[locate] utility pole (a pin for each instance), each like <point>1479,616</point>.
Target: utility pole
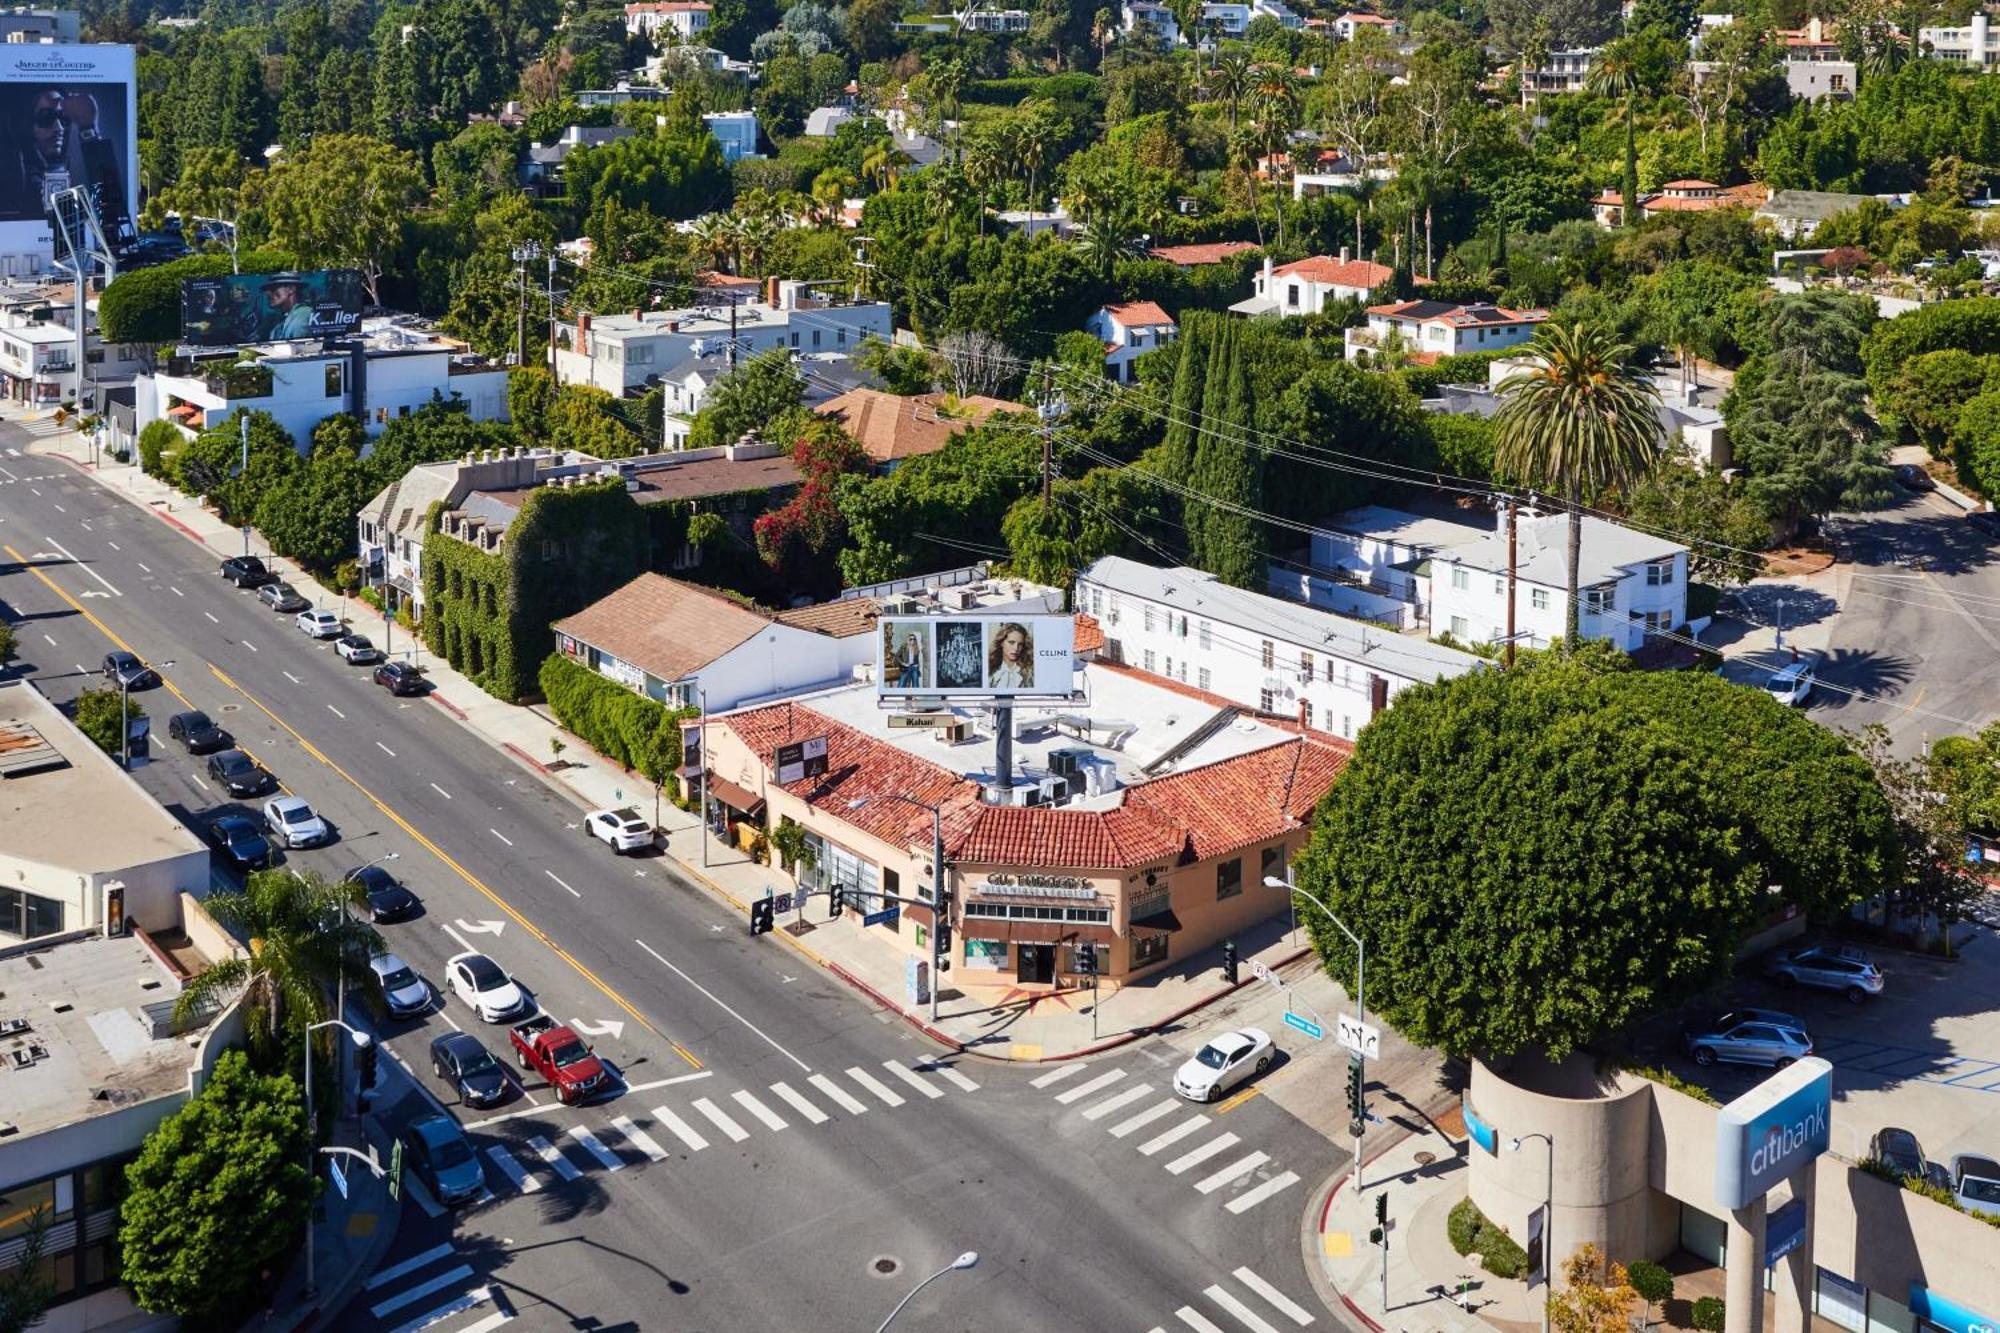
<point>732,333</point>
<point>1048,445</point>
<point>1513,509</point>
<point>243,421</point>
<point>522,254</point>
<point>552,314</point>
<point>701,701</point>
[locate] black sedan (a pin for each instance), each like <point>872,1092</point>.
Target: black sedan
<point>240,842</point>
<point>246,571</point>
<point>1914,478</point>
<point>399,678</point>
<point>239,774</point>
<point>1986,520</point>
<point>123,668</point>
<point>388,900</point>
<point>195,731</point>
<point>462,1060</point>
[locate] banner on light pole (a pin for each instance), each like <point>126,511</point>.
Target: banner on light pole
<point>1538,1268</point>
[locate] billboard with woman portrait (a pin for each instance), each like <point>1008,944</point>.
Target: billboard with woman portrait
<point>976,656</point>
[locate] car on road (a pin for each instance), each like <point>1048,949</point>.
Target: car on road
<point>554,1051</point>
<point>1986,520</point>
<point>1899,1150</point>
<point>356,650</point>
<point>1827,968</point>
<point>388,899</point>
<point>238,840</point>
<point>1975,1183</point>
<point>462,1060</point>
<point>238,774</point>
<point>1747,1042</point>
<point>294,823</point>
<point>444,1159</point>
<point>399,678</point>
<point>246,571</point>
<point>622,830</point>
<point>1791,684</point>
<point>198,733</point>
<point>319,624</point>
<point>485,986</point>
<point>1223,1063</point>
<point>1911,476</point>
<point>123,668</point>
<point>282,598</point>
<point>404,993</point>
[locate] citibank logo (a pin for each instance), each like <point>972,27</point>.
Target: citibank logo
<point>1778,1142</point>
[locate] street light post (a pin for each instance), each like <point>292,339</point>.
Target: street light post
<point>964,1261</point>
<point>1548,1219</point>
<point>125,718</point>
<point>359,1038</point>
<point>940,909</point>
<point>1360,997</point>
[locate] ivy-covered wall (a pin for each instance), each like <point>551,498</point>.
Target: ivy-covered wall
<point>720,525</point>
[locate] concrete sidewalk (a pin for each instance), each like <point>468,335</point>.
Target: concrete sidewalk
<point>995,1019</point>
<point>350,1235</point>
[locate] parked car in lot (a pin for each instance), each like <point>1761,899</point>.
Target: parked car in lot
<point>399,678</point>
<point>1914,478</point>
<point>462,1060</point>
<point>123,668</point>
<point>1986,520</point>
<point>246,571</point>
<point>485,986</point>
<point>1791,684</point>
<point>1899,1150</point>
<point>356,650</point>
<point>239,842</point>
<point>444,1160</point>
<point>1975,1183</point>
<point>404,993</point>
<point>1827,968</point>
<point>282,598</point>
<point>294,823</point>
<point>555,1052</point>
<point>388,899</point>
<point>195,731</point>
<point>1223,1063</point>
<point>319,624</point>
<point>622,830</point>
<point>238,774</point>
<point>1746,1041</point>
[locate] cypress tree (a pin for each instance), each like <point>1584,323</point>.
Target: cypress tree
<point>1229,470</point>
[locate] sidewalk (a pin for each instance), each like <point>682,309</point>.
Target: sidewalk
<point>350,1238</point>
<point>994,1019</point>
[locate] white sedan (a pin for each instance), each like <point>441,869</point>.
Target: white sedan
<point>622,830</point>
<point>292,822</point>
<point>1223,1063</point>
<point>485,986</point>
<point>319,624</point>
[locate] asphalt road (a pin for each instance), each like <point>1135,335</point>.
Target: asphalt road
<point>778,1154</point>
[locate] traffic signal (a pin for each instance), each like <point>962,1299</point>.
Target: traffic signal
<point>1086,959</point>
<point>763,912</point>
<point>369,1055</point>
<point>1229,961</point>
<point>944,939</point>
<point>1356,1101</point>
<point>1380,1235</point>
<point>396,1170</point>
<point>836,901</point>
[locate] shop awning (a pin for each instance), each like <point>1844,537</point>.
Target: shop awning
<point>1035,932</point>
<point>740,799</point>
<point>1164,921</point>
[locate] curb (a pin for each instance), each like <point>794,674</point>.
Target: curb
<point>456,712</point>
<point>513,749</point>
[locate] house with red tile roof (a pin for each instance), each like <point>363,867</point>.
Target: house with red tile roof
<point>1129,331</point>
<point>1198,256</point>
<point>1684,196</point>
<point>1309,286</point>
<point>1431,329</point>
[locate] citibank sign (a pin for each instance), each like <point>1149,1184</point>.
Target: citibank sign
<point>1772,1131</point>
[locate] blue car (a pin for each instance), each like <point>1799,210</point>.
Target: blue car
<point>443,1156</point>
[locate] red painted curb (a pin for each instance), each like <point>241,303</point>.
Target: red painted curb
<point>453,709</point>
<point>883,1000</point>
<point>1358,1313</point>
<point>517,752</point>
<point>1151,1028</point>
<point>185,530</point>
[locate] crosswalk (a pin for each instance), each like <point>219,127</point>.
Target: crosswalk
<point>1231,1169</point>
<point>1225,1307</point>
<point>432,1290</point>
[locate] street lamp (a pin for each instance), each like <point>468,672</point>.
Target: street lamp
<point>125,718</point>
<point>964,1261</point>
<point>1548,1219</point>
<point>360,1039</point>
<point>940,909</point>
<point>1360,997</point>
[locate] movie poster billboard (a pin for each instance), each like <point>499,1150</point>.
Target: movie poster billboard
<point>68,117</point>
<point>961,656</point>
<point>270,307</point>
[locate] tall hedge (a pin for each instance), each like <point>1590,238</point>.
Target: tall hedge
<point>629,729</point>
<point>1969,326</point>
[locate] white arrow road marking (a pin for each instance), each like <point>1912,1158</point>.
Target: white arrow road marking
<point>559,879</point>
<point>610,1027</point>
<point>481,927</point>
<point>92,592</point>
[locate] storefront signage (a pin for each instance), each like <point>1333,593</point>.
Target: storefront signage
<point>902,720</point>
<point>1071,887</point>
<point>1927,1305</point>
<point>1784,1231</point>
<point>1773,1130</point>
<point>1481,1133</point>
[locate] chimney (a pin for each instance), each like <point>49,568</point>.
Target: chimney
<point>583,333</point>
<point>1265,281</point>
<point>638,315</point>
<point>673,326</point>
<point>771,292</point>
<point>1345,253</point>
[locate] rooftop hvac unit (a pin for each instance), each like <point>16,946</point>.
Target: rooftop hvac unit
<point>962,599</point>
<point>1068,763</point>
<point>1054,791</point>
<point>900,606</point>
<point>955,732</point>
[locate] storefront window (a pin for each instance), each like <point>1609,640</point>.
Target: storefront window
<point>1841,1302</point>
<point>987,955</point>
<point>1147,948</point>
<point>29,915</point>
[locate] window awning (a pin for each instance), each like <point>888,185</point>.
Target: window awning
<point>1164,921</point>
<point>740,799</point>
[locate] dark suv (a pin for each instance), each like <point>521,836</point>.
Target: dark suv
<point>399,678</point>
<point>246,571</point>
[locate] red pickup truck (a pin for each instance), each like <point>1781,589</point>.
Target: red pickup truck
<point>552,1050</point>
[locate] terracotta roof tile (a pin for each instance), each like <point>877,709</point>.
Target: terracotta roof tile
<point>1192,256</point>
<point>840,620</point>
<point>1089,634</point>
<point>1139,314</point>
<point>1330,272</point>
<point>889,428</point>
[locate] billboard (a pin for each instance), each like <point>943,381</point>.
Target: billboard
<point>1772,1130</point>
<point>270,307</point>
<point>68,117</point>
<point>990,656</point>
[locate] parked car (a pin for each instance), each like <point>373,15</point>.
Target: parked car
<point>282,598</point>
<point>1827,969</point>
<point>1899,1150</point>
<point>239,842</point>
<point>555,1052</point>
<point>1986,520</point>
<point>1975,1183</point>
<point>1914,477</point>
<point>239,774</point>
<point>246,571</point>
<point>485,986</point>
<point>443,1158</point>
<point>622,830</point>
<point>319,624</point>
<point>399,678</point>
<point>294,823</point>
<point>1746,1042</point>
<point>388,899</point>
<point>462,1060</point>
<point>195,731</point>
<point>1223,1063</point>
<point>356,650</point>
<point>1791,684</point>
<point>123,668</point>
<point>404,993</point>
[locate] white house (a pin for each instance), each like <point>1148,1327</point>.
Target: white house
<point>1128,332</point>
<point>38,363</point>
<point>823,122</point>
<point>1976,44</point>
<point>1373,562</point>
<point>1687,420</point>
<point>736,131</point>
<point>999,22</point>
<point>1147,16</point>
<point>1309,286</point>
<point>1431,329</point>
<point>1562,72</point>
<point>1326,671</point>
<point>685,19</point>
<point>1353,22</point>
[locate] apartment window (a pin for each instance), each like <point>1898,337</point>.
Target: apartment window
<point>403,411</point>
<point>1183,675</point>
<point>1097,601</point>
<point>1660,573</point>
<point>1306,712</point>
<point>1170,667</point>
<point>840,337</point>
<point>1183,626</point>
<point>1147,619</point>
<point>1538,598</point>
<point>1270,655</point>
<point>1837,82</point>
<point>381,415</point>
<point>1146,659</point>
<point>1459,629</point>
<point>1229,878</point>
<point>1201,678</point>
<point>1114,608</point>
<point>795,337</point>
<point>1306,667</point>
<point>1267,701</point>
<point>1273,863</point>
<point>1292,295</point>
<point>1596,601</point>
<point>1201,635</point>
<point>815,337</point>
<point>333,380</point>
<point>640,355</point>
<point>1461,578</point>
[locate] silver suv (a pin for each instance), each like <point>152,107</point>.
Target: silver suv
<point>1828,967</point>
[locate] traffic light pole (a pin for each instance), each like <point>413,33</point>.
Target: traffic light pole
<point>1360,1123</point>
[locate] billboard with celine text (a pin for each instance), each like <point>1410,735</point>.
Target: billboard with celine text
<point>996,657</point>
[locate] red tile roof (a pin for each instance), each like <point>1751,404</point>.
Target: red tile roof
<point>1192,256</point>
<point>1251,798</point>
<point>1138,314</point>
<point>1089,634</point>
<point>1331,272</point>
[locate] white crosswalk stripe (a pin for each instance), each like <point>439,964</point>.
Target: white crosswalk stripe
<point>772,1120</point>
<point>1082,1090</point>
<point>1236,1170</point>
<point>1144,1118</point>
<point>489,1323</point>
<point>1290,1308</point>
<point>721,1120</point>
<point>799,1103</point>
<point>409,1266</point>
<point>553,1156</point>
<point>1115,1102</point>
<point>950,1074</point>
<point>875,1085</point>
<point>838,1095</point>
<point>389,1305</point>
<point>431,1207</point>
<point>512,1169</point>
<point>1192,1317</point>
<point>1249,1199</point>
<point>1055,1076</point>
<point>680,1128</point>
<point>1245,1316</point>
<point>472,1300</point>
<point>911,1077</point>
<point>595,1147</point>
<point>1174,1135</point>
<point>639,1138</point>
<point>1219,1144</point>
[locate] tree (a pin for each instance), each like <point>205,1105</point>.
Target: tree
<point>903,370</point>
<point>142,306</point>
<point>1808,441</point>
<point>1653,1283</point>
<point>1230,81</point>
<point>914,518</point>
<point>1930,881</point>
<point>1713,515</point>
<point>1616,74</point>
<point>1931,390</point>
<point>1597,1296</point>
<point>25,1289</point>
<point>97,716</point>
<point>800,539</point>
<point>1568,23</point>
<point>312,519</point>
<point>748,400</point>
<point>305,942</point>
<point>218,1196</point>
<point>670,175</point>
<point>1688,306</point>
<point>214,183</point>
<point>212,465</point>
<point>1578,419</point>
<point>1965,770</point>
<point>342,203</point>
<point>1976,443</point>
<point>975,362</point>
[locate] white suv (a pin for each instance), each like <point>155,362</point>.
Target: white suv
<point>622,829</point>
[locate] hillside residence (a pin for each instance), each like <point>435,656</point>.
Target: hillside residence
<point>1686,419</point>
<point>1148,16</point>
<point>1332,173</point>
<point>736,131</point>
<point>1795,214</point>
<point>1814,64</point>
<point>1354,21</point>
<point>1562,72</point>
<point>1976,44</point>
<point>998,22</point>
<point>1128,332</point>
<point>1309,286</point>
<point>541,165</point>
<point>1686,196</point>
<point>396,366</point>
<point>1199,256</point>
<point>891,429</point>
<point>1432,329</point>
<point>684,20</point>
<point>823,375</point>
<point>1327,672</point>
<point>823,122</point>
<point>625,91</point>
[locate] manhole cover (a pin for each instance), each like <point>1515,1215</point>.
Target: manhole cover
<point>1426,1158</point>
<point>886,1266</point>
<point>231,708</point>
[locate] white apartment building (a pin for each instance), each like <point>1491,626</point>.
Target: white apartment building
<point>38,363</point>
<point>1563,71</point>
<point>1309,286</point>
<point>1326,671</point>
<point>998,22</point>
<point>1352,22</point>
<point>1975,44</point>
<point>1430,329</point>
<point>1149,16</point>
<point>1128,332</point>
<point>684,19</point>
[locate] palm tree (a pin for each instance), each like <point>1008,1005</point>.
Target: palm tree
<point>1275,99</point>
<point>730,235</point>
<point>1533,55</point>
<point>880,162</point>
<point>301,942</point>
<point>985,167</point>
<point>1103,27</point>
<point>1113,234</point>
<point>1580,418</point>
<point>1616,74</point>
<point>754,235</point>
<point>1037,136</point>
<point>1229,80</point>
<point>830,191</point>
<point>710,234</point>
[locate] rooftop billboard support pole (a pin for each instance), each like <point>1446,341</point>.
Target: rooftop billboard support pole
<point>1003,747</point>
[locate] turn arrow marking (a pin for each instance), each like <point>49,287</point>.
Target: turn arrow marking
<point>481,927</point>
<point>610,1027</point>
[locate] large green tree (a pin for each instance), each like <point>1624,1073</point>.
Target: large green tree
<point>754,397</point>
<point>311,518</point>
<point>342,203</point>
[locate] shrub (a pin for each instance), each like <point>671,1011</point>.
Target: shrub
<point>1669,1079</point>
<point>1469,1231</point>
<point>1708,1314</point>
<point>1653,1282</point>
<point>97,718</point>
<point>156,442</point>
<point>629,729</point>
<point>9,641</point>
